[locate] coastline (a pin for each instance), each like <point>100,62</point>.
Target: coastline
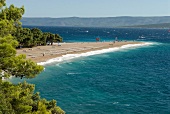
<point>53,53</point>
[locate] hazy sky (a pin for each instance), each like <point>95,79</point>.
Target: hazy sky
<point>93,8</point>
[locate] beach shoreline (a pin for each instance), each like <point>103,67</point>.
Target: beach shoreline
<point>41,54</point>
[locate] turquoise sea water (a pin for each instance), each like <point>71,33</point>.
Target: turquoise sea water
<point>133,80</point>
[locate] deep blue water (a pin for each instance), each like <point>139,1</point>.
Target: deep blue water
<point>135,80</point>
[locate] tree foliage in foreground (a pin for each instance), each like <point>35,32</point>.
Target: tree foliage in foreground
<point>12,65</point>
<point>21,99</point>
<point>18,98</point>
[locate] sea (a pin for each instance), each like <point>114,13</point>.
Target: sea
<point>129,80</point>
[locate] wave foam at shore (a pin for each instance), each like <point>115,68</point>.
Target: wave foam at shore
<point>72,56</point>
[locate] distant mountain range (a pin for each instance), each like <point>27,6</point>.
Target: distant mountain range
<point>124,21</point>
<point>162,25</point>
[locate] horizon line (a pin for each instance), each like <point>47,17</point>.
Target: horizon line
<point>94,17</point>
